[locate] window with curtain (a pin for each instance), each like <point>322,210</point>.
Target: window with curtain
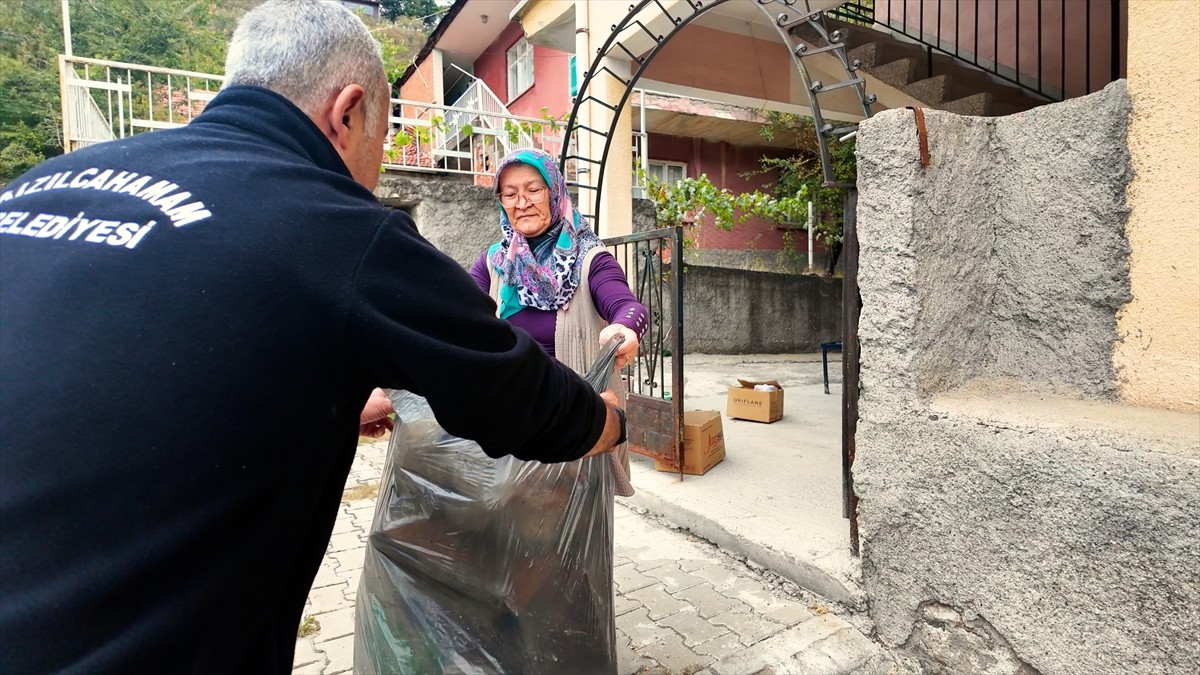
<point>668,173</point>
<point>520,68</point>
<point>662,172</point>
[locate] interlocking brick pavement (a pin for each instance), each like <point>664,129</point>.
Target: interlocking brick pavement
<point>683,606</point>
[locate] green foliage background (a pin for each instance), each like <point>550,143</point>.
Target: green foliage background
<point>798,180</point>
<point>183,34</point>
<point>400,40</point>
<point>168,33</point>
<point>426,11</point>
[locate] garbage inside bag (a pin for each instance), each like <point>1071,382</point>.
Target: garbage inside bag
<point>478,565</point>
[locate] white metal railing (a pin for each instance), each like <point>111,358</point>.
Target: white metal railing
<point>642,100</point>
<point>83,121</point>
<point>463,140</point>
<point>103,100</point>
<point>479,96</point>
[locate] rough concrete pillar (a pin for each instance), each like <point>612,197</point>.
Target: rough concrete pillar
<point>1013,514</point>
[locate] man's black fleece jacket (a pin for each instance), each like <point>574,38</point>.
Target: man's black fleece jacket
<point>190,323</point>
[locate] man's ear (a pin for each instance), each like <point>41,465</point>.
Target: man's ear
<point>345,116</point>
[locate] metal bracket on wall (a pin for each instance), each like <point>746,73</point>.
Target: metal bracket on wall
<point>922,135</point>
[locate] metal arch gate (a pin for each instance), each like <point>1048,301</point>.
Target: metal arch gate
<point>650,409</point>
<point>791,16</point>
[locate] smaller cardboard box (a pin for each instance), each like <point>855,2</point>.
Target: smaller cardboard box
<point>747,403</point>
<point>703,443</point>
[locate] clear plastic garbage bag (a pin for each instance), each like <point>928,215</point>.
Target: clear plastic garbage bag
<point>479,565</point>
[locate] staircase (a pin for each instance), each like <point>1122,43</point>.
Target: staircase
<point>939,81</point>
<point>477,112</point>
<point>84,123</point>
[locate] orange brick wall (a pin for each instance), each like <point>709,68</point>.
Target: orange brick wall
<point>420,86</point>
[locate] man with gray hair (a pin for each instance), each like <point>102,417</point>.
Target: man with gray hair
<point>191,321</point>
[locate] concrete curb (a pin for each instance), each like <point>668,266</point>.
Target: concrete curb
<point>802,573</point>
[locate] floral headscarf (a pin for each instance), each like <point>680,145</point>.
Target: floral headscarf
<point>544,277</point>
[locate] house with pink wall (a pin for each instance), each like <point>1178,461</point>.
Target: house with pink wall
<point>698,106</point>
<point>478,47</point>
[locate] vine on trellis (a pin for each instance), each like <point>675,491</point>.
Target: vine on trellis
<point>690,201</point>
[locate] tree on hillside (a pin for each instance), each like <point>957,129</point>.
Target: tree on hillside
<point>189,35</point>
<point>400,42</point>
<point>30,129</point>
<point>165,33</point>
<point>426,10</point>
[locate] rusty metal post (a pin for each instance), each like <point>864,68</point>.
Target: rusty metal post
<point>851,306</point>
<point>677,344</point>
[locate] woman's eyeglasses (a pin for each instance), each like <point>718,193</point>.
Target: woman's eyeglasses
<point>534,195</point>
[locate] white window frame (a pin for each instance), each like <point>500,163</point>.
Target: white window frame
<point>663,165</point>
<point>639,191</point>
<point>519,59</point>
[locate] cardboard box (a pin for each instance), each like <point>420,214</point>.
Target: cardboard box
<point>703,443</point>
<point>745,403</point>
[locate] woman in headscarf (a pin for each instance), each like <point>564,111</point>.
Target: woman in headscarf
<point>499,566</point>
<point>550,275</point>
<point>548,252</point>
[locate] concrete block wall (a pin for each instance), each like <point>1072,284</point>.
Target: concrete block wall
<point>733,311</point>
<point>460,219</point>
<point>1014,516</point>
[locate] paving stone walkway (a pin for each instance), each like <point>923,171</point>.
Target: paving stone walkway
<point>682,606</point>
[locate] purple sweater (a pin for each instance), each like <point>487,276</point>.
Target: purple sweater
<point>610,293</point>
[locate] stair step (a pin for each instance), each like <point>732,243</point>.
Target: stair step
<point>939,89</point>
<point>933,91</point>
<point>970,79</point>
<point>975,105</point>
<point>884,49</point>
<point>899,73</point>
<point>871,54</point>
<point>903,65</point>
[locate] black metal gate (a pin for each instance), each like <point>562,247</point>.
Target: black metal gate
<point>653,262</point>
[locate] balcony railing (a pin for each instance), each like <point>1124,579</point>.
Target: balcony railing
<point>468,138</point>
<point>479,96</point>
<point>105,100</point>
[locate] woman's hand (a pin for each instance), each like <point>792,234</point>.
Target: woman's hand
<point>628,350</point>
<point>374,420</point>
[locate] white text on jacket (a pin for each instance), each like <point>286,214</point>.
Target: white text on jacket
<point>94,230</point>
<point>165,195</point>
